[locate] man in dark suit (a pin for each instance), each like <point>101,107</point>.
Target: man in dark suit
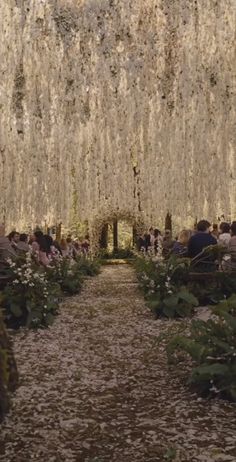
<point>198,242</point>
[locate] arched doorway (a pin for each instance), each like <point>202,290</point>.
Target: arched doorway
<point>117,235</point>
<point>117,231</point>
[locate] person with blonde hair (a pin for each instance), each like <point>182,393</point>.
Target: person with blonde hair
<point>181,245</point>
<point>64,247</point>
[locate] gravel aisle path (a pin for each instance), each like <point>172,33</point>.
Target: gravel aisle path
<point>95,388</point>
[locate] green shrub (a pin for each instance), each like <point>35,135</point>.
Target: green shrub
<point>30,299</point>
<point>8,370</point>
<point>227,283</point>
<point>87,266</point>
<point>63,271</point>
<point>69,274</point>
<point>179,303</point>
<point>164,288</point>
<point>212,347</point>
<point>171,292</point>
<point>119,254</point>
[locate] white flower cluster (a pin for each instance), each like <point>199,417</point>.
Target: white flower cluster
<point>213,388</point>
<point>144,277</point>
<point>168,285</point>
<point>26,275</point>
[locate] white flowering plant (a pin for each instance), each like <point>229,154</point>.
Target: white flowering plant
<point>70,273</point>
<point>87,266</point>
<point>29,299</point>
<point>63,271</point>
<point>212,347</point>
<point>164,285</point>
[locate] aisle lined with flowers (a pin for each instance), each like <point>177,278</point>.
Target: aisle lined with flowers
<point>95,386</point>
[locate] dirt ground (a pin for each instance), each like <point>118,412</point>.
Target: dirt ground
<point>96,387</point>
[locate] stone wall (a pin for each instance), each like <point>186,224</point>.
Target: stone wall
<point>117,107</point>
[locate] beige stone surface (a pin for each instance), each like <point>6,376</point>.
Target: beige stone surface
<point>117,107</point>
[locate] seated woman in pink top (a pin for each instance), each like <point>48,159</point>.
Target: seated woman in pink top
<point>39,248</point>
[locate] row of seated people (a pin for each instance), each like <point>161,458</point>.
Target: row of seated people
<point>191,243</point>
<point>41,245</point>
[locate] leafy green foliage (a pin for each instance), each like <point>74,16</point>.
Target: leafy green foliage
<point>212,347</point>
<point>163,285</point>
<point>178,304</point>
<point>64,272</point>
<point>226,306</point>
<point>71,273</point>
<point>170,454</point>
<point>32,298</point>
<point>227,283</point>
<point>87,266</point>
<point>173,289</point>
<point>120,254</point>
<point>8,370</point>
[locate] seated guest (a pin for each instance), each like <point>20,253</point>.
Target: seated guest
<point>70,247</point>
<point>215,231</point>
<point>64,247</point>
<point>157,240</point>
<point>6,249</point>
<point>23,246</point>
<point>232,246</point>
<point>146,242</point>
<point>49,244</point>
<point>141,243</point>
<point>77,248</point>
<point>85,244</point>
<point>57,248</point>
<point>14,238</point>
<point>181,245</point>
<point>202,239</point>
<point>40,247</point>
<point>168,243</point>
<point>150,238</point>
<point>225,235</point>
<point>52,250</point>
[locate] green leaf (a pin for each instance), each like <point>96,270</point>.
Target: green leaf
<point>210,371</point>
<point>194,349</point>
<point>16,310</point>
<point>32,317</point>
<point>153,297</point>
<point>170,454</point>
<point>172,301</point>
<point>49,319</point>
<point>188,297</point>
<point>231,321</point>
<point>184,310</point>
<point>232,301</point>
<point>226,347</point>
<point>169,311</point>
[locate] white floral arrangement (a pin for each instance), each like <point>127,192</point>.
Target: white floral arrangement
<point>30,291</point>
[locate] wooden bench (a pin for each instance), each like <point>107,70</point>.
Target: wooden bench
<point>211,276</point>
<point>202,277</point>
